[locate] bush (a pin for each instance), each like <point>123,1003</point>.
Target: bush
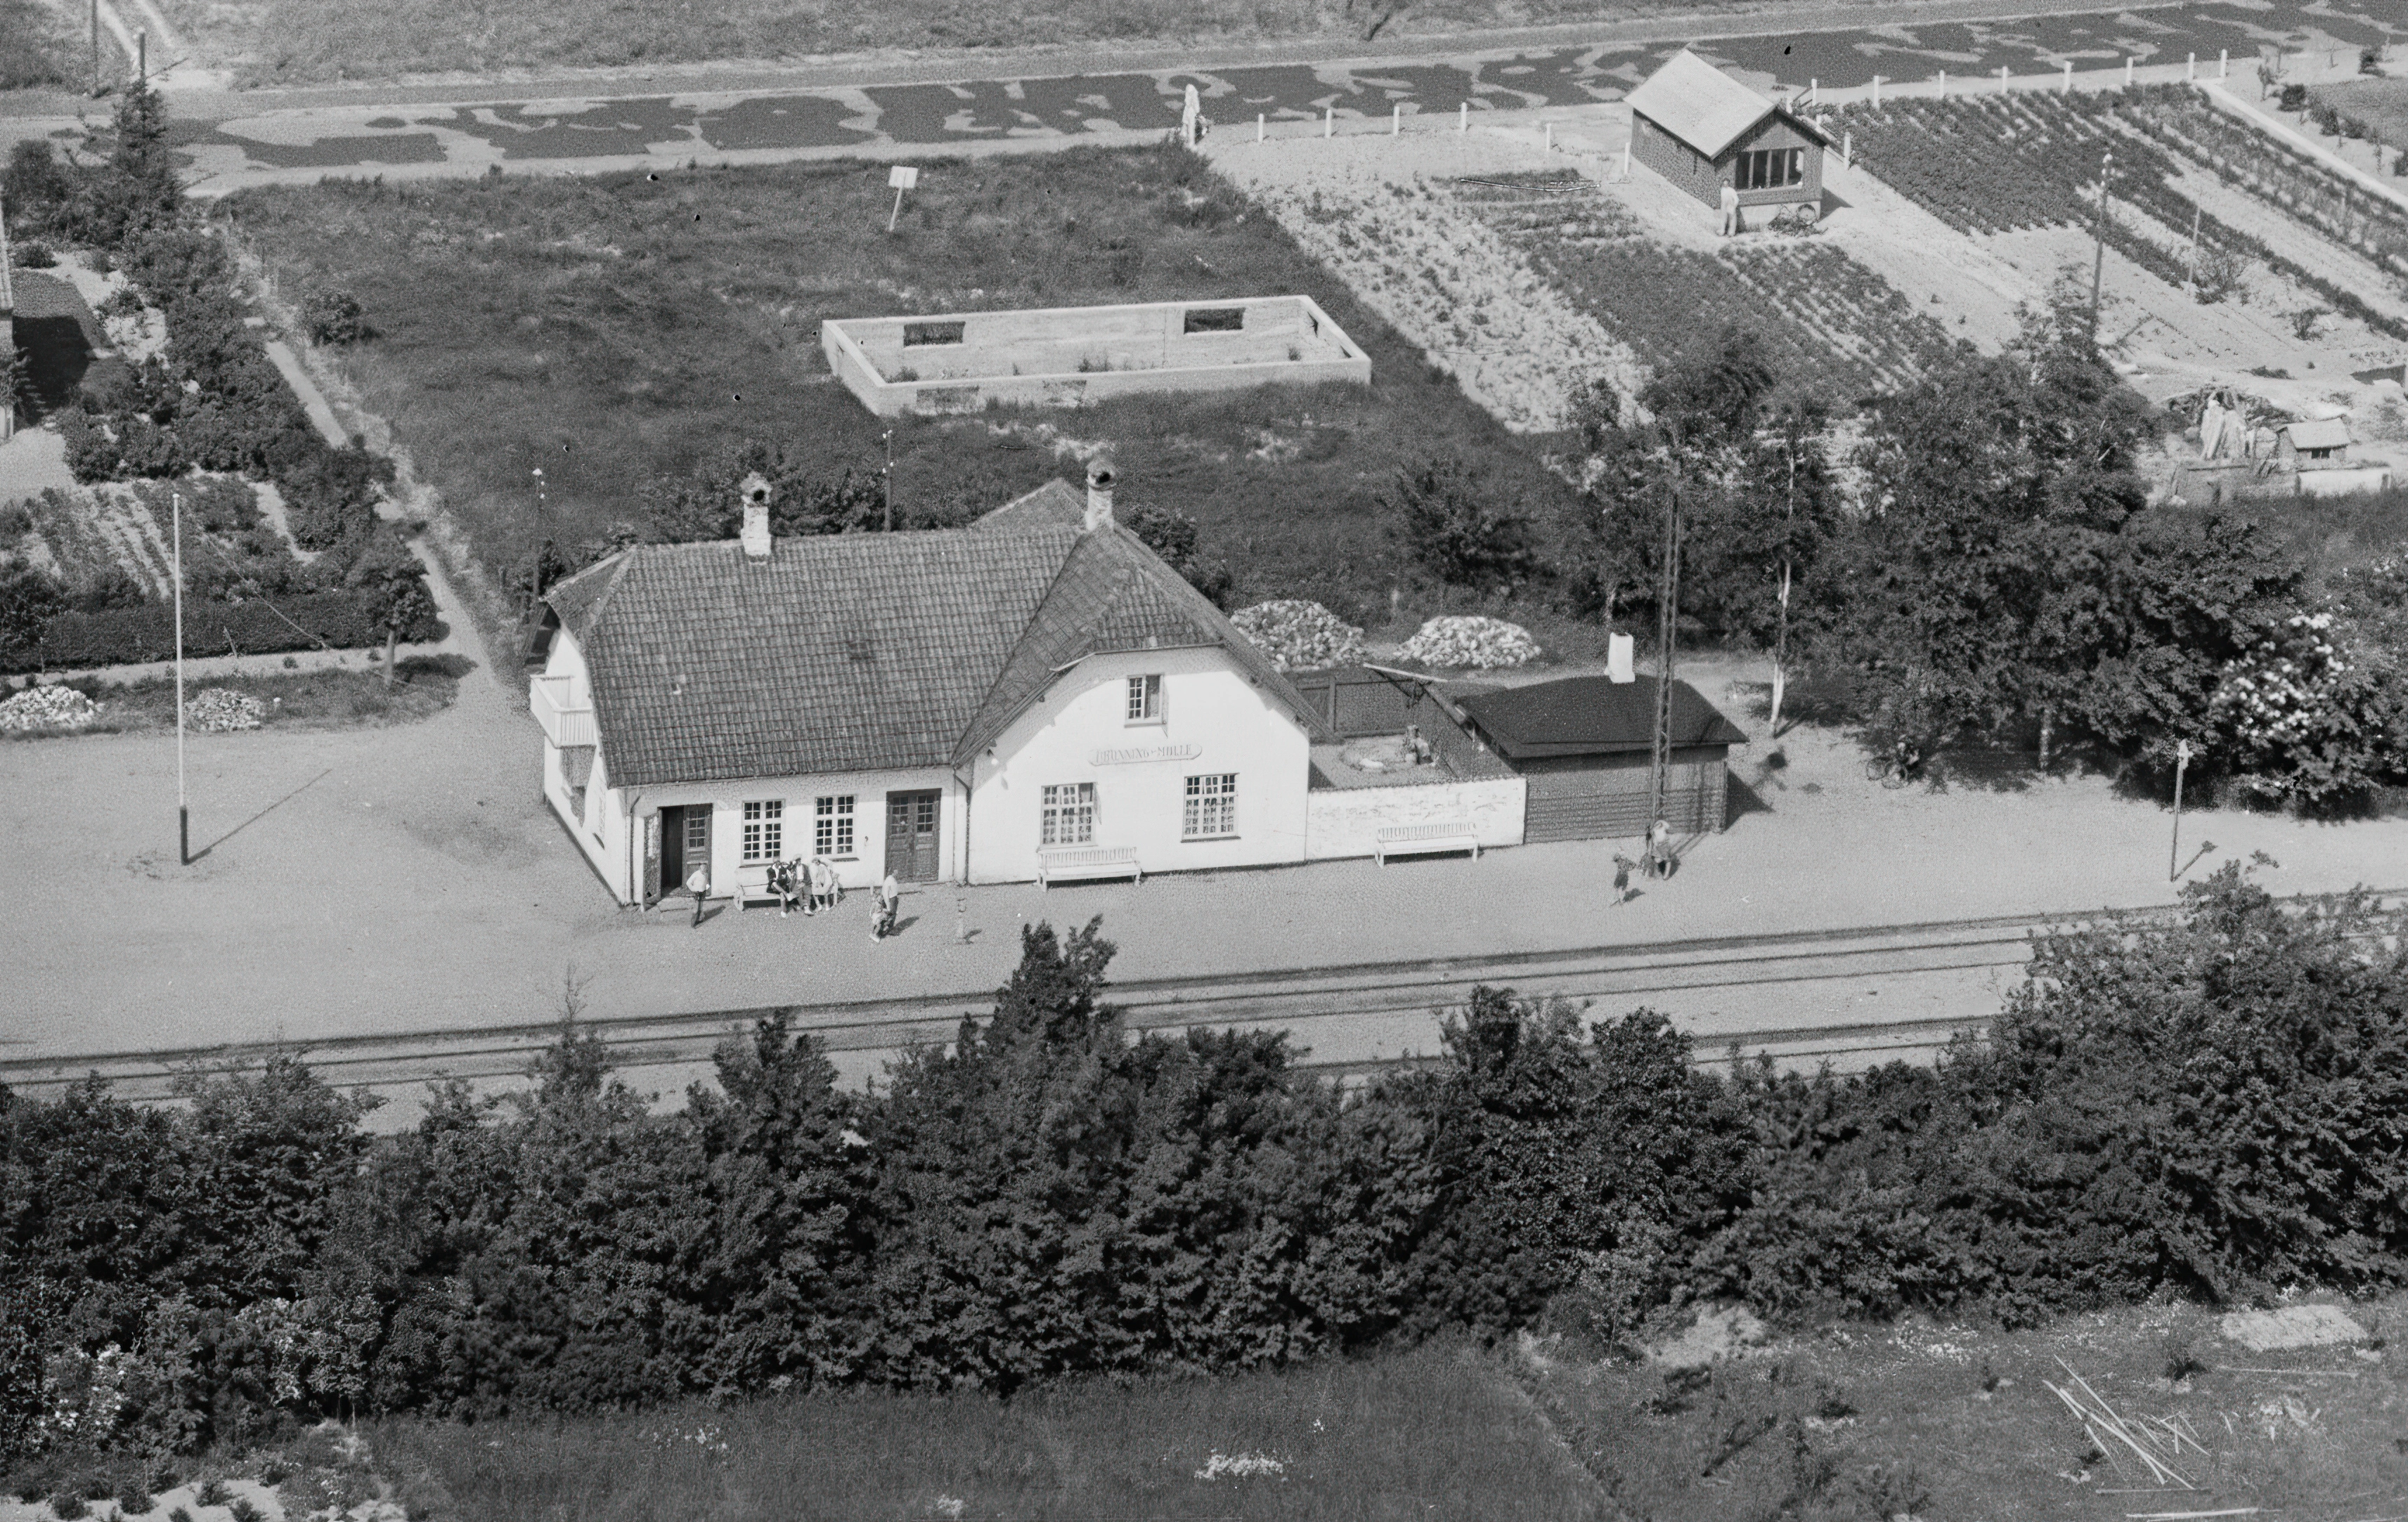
<point>344,621</point>
<point>2293,99</point>
<point>333,317</point>
<point>34,255</point>
<point>1441,516</point>
<point>91,451</point>
<point>67,1505</point>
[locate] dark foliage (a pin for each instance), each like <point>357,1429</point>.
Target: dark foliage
<point>2207,1107</point>
<point>1465,530</point>
<point>344,620</point>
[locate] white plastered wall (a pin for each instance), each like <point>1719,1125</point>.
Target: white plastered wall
<point>1080,731</point>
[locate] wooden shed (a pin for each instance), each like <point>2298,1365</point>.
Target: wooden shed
<point>1585,745</point>
<point>2317,443</point>
<point>1702,130</point>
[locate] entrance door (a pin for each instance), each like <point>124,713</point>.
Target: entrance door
<point>911,837</point>
<point>686,845</point>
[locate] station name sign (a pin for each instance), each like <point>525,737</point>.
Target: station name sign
<point>1147,753</point>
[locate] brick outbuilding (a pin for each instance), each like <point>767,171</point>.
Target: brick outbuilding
<point>1702,130</point>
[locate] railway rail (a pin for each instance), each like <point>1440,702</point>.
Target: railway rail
<point>1350,1019</point>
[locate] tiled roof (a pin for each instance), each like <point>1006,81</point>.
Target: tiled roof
<point>865,652</point>
<point>1057,504</point>
<point>1700,105</point>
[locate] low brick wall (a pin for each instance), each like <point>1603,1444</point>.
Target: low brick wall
<point>1347,821</point>
<point>1072,355</point>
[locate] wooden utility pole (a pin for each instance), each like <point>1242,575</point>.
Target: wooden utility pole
<point>889,438</point>
<point>1668,601</point>
<point>183,809</point>
<point>95,47</point>
<point>2099,254</point>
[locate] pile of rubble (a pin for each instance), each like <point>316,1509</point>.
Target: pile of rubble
<point>47,708</point>
<point>215,710</point>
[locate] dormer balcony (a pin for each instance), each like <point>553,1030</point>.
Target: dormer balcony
<point>565,721</point>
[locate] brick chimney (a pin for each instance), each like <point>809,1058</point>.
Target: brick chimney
<point>1617,659</point>
<point>754,535</point>
<point>1100,476</point>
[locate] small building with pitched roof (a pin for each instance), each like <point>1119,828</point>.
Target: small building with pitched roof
<point>2312,444</point>
<point>1584,747</point>
<point>959,705</point>
<point>1703,130</point>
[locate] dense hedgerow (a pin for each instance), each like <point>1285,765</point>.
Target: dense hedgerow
<point>2207,1107</point>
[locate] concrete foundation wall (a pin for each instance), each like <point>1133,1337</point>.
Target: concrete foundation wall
<point>1067,356</point>
<point>1347,821</point>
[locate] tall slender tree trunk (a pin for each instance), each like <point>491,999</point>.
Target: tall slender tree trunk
<point>391,643</point>
<point>2048,735</point>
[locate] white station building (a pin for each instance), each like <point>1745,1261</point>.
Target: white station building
<point>1035,697</point>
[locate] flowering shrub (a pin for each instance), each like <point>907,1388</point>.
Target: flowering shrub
<point>2297,723</point>
<point>1468,640</point>
<point>1298,635</point>
<point>215,710</point>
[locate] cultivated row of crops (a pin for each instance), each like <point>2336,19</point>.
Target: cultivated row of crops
<point>1819,312</point>
<point>1996,163</point>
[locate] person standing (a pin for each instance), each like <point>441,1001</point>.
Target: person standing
<point>890,900</point>
<point>1730,209</point>
<point>1659,850</point>
<point>697,883</point>
<point>1621,878</point>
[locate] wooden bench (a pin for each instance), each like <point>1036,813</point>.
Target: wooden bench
<point>752,886</point>
<point>1430,839</point>
<point>1087,861</point>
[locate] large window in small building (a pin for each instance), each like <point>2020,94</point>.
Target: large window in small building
<point>765,830</point>
<point>1144,699</point>
<point>1213,319</point>
<point>1211,806</point>
<point>1772,168</point>
<point>917,335</point>
<point>1069,818</point>
<point>832,826</point>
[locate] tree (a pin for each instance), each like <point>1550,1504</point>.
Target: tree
<point>1444,516</point>
<point>394,583</point>
<point>1788,487</point>
<point>1172,534</point>
<point>1708,401</point>
<point>802,499</point>
<point>29,599</point>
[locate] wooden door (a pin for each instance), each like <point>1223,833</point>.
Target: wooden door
<point>911,837</point>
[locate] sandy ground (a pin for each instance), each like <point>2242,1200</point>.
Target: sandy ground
<point>1976,293</point>
<point>1370,207</point>
<point>407,878</point>
<point>33,462</point>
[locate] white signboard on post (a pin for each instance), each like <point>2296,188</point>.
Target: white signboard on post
<point>903,176</point>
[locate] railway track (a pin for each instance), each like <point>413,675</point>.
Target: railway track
<point>1770,993</point>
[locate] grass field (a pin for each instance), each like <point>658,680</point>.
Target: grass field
<point>1440,1432</point>
<point>616,329</point>
<point>1858,1422</point>
<point>297,700</point>
<point>292,41</point>
<point>33,51</point>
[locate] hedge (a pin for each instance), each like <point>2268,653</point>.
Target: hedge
<point>123,636</point>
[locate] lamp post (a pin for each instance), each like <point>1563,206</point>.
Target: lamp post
<point>2173,852</point>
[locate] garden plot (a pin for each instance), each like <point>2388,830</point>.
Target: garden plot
<point>1633,261</point>
<point>1371,209</point>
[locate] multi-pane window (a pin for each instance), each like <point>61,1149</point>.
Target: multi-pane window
<point>765,830</point>
<point>832,826</point>
<point>1211,806</point>
<point>1772,168</point>
<point>697,833</point>
<point>1144,698</point>
<point>1069,818</point>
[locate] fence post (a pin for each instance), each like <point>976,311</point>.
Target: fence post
<point>1551,137</point>
<point>2003,78</point>
<point>2190,69</point>
<point>2127,71</point>
<point>2069,77</point>
<point>1328,120</point>
<point>1463,116</point>
<point>1944,84</point>
<point>1395,118</point>
<point>1876,91</point>
<point>1259,126</point>
<point>2224,63</point>
<point>1848,149</point>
